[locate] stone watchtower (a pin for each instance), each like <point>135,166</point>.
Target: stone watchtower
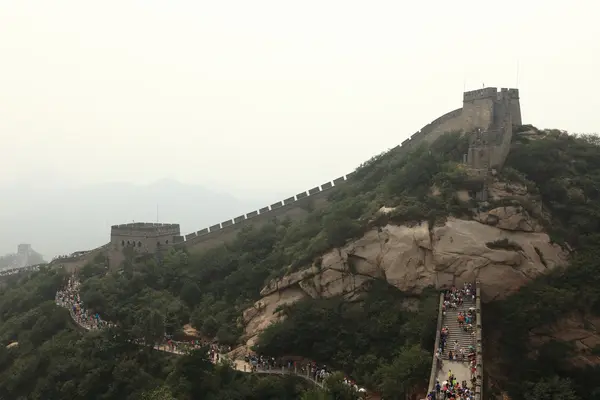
<point>491,114</point>
<point>139,237</point>
<point>23,253</point>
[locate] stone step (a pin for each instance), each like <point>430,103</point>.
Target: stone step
<point>455,332</point>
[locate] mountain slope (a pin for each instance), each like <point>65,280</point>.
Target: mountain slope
<point>403,223</point>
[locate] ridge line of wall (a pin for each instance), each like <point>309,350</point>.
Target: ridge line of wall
<point>411,142</point>
<point>279,208</point>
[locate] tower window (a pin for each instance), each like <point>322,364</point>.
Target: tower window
<point>139,244</point>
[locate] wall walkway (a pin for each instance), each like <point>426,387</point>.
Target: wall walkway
<point>441,365</point>
<point>238,365</point>
<point>14,271</point>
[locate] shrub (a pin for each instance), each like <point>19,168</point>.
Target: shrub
<point>504,244</point>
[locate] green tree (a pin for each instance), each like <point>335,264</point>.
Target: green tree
<point>315,394</point>
<point>337,389</point>
<point>190,293</point>
<point>407,372</point>
<point>553,388</point>
<point>160,393</point>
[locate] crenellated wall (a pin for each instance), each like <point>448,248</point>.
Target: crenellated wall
<point>480,110</point>
<point>294,207</point>
<point>75,262</point>
<point>136,229</point>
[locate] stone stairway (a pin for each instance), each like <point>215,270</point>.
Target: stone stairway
<point>455,331</point>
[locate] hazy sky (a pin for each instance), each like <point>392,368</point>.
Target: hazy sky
<point>250,95</point>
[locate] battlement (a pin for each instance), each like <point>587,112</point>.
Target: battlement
<point>506,93</point>
<point>491,93</point>
<point>485,93</point>
<point>145,229</point>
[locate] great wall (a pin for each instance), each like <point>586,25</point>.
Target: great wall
<point>487,114</point>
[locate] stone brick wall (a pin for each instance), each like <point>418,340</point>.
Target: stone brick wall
<point>140,237</point>
<point>74,263</point>
<point>438,333</point>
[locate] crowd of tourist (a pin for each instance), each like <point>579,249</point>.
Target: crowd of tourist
<point>452,388</point>
<point>447,389</point>
<point>184,347</point>
<point>455,297</point>
<point>70,299</point>
<point>299,366</point>
<point>72,255</point>
<point>12,271</point>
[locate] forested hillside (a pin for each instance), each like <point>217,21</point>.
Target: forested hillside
<point>381,337</point>
<point>45,356</point>
<point>565,171</point>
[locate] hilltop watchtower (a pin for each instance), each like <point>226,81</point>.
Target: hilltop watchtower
<point>489,115</point>
<point>140,237</point>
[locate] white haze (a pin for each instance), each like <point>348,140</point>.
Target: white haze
<point>256,99</point>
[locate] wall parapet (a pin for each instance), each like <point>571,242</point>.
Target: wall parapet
<point>508,93</point>
<point>147,229</point>
<point>479,343</point>
<point>143,225</point>
<point>427,129</point>
<point>78,255</point>
<point>438,333</point>
<point>288,202</point>
<point>485,93</point>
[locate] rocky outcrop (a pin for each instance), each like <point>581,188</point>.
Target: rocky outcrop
<point>510,218</point>
<point>503,247</point>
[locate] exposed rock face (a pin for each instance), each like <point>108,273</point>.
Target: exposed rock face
<point>511,218</point>
<point>501,190</point>
<point>413,258</point>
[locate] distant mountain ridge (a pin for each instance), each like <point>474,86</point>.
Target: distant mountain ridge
<point>67,218</point>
